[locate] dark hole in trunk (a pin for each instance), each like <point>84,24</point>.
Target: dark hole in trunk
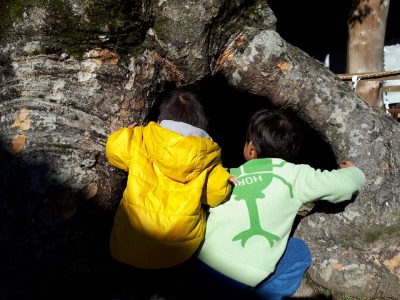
<point>229,110</point>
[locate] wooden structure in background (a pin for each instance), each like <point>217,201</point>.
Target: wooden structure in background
<point>379,76</point>
<point>366,40</point>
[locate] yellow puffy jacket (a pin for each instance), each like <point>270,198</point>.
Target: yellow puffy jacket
<point>160,221</point>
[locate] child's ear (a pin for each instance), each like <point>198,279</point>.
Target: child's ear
<point>252,153</point>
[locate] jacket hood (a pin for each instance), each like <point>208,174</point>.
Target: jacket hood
<point>179,157</point>
<point>184,128</point>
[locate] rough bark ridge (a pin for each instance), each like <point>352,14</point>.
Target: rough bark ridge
<point>73,71</point>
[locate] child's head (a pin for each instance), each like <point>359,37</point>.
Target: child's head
<point>183,106</point>
<point>272,133</point>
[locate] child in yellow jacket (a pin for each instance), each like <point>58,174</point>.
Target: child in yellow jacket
<point>174,169</point>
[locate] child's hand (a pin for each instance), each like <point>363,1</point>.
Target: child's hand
<point>346,164</point>
<point>133,125</point>
<point>233,180</point>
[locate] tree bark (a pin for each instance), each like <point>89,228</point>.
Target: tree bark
<point>71,74</point>
<point>366,29</point>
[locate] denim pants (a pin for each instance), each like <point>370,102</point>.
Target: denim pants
<point>284,282</point>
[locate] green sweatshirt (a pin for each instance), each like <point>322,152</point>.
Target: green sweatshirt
<point>247,235</point>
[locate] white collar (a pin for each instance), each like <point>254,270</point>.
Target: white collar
<point>184,128</point>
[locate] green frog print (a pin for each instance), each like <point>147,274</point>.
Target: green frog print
<point>259,181</point>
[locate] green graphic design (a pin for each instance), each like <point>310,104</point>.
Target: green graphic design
<point>251,186</point>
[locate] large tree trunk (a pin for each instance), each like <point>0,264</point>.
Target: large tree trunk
<point>72,72</point>
<point>366,39</point>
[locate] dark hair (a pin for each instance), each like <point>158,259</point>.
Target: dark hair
<point>183,106</point>
<point>274,133</point>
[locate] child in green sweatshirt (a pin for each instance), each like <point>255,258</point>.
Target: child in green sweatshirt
<point>248,239</point>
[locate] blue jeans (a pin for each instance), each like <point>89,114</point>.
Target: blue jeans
<point>284,282</point>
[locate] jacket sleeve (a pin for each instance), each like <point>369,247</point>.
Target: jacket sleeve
<point>218,188</point>
<point>333,186</point>
<point>118,148</point>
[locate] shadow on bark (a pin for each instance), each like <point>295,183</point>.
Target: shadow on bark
<point>42,255</point>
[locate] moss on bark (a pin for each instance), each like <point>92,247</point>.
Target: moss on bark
<point>119,25</point>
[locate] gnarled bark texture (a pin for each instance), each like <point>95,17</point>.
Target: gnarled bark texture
<point>74,71</point>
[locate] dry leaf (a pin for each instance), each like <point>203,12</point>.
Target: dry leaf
<point>393,263</point>
<point>22,121</point>
<point>103,55</point>
<point>18,143</point>
<point>240,40</point>
<point>285,66</point>
<point>90,190</point>
<point>226,55</point>
<point>338,266</point>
